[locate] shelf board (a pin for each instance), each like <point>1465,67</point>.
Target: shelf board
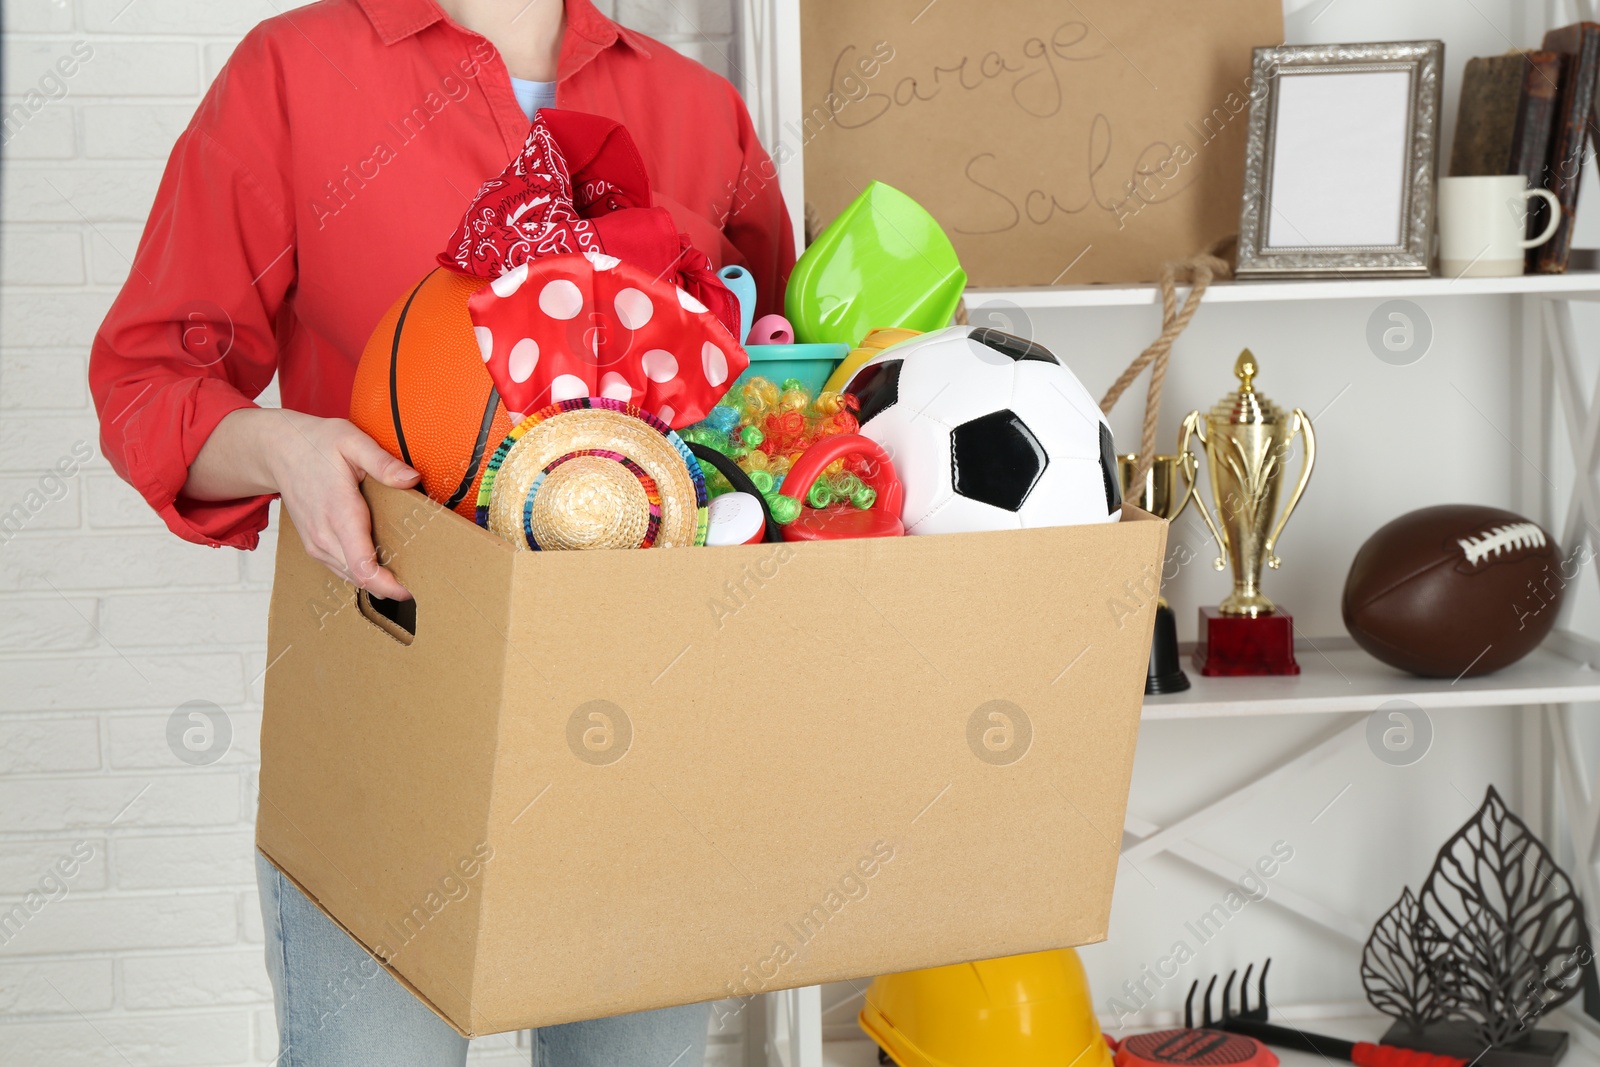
<point>1336,676</point>
<point>1571,284</point>
<point>1369,1026</point>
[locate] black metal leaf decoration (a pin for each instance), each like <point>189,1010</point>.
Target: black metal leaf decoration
<point>1400,968</point>
<point>1506,919</point>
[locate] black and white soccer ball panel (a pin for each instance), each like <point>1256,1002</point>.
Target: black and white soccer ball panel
<point>988,431</point>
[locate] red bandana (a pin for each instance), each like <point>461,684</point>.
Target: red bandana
<point>525,213</point>
<point>579,185</point>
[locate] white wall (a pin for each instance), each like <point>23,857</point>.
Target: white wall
<point>107,622</point>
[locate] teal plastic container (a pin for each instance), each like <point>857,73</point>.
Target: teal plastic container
<point>810,364</point>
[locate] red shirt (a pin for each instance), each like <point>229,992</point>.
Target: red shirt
<point>326,168</point>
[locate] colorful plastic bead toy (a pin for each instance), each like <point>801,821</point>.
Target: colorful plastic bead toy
<point>765,426</point>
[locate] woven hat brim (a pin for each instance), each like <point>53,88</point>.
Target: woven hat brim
<point>601,425</point>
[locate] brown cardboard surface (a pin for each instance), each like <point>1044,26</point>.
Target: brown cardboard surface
<point>803,794</point>
<point>1104,136</point>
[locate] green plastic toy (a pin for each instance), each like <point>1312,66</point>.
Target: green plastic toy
<point>883,262</point>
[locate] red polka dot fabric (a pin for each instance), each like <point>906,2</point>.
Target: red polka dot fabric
<point>570,326</point>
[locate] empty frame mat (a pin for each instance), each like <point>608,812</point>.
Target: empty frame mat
<point>1341,144</point>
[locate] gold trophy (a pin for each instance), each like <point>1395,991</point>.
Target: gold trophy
<point>1164,493</point>
<point>1247,439</point>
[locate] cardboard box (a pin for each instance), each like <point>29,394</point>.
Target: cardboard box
<point>595,783</point>
<point>1056,143</point>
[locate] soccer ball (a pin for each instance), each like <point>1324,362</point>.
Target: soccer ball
<point>988,431</point>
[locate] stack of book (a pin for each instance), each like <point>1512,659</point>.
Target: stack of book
<point>1533,113</point>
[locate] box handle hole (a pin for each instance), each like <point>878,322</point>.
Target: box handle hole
<point>397,618</point>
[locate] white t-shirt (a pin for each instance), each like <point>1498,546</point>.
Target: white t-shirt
<point>534,95</point>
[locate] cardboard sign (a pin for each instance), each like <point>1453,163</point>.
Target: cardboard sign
<point>1057,143</point>
<point>586,783</point>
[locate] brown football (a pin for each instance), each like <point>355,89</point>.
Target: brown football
<point>1455,590</point>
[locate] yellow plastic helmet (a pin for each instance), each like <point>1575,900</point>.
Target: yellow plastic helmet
<point>1019,1011</point>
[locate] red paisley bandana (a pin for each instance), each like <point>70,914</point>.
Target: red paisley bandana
<point>525,213</point>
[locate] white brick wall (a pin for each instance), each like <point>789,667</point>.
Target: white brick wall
<point>150,952</point>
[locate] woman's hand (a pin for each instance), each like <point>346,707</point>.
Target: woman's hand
<point>316,466</point>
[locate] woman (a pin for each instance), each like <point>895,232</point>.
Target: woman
<point>320,177</point>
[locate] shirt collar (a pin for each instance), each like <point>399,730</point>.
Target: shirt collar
<point>395,20</point>
<point>589,32</point>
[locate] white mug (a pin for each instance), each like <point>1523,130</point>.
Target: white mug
<point>1481,225</point>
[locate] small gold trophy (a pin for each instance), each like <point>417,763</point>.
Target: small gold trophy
<point>1247,439</point>
<point>1164,493</point>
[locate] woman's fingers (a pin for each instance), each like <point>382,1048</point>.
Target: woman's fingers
<point>318,472</point>
<point>354,525</point>
<point>353,531</point>
<point>368,456</point>
<point>337,554</point>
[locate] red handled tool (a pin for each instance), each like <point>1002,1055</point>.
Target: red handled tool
<point>1252,1022</point>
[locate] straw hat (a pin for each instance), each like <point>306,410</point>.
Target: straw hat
<point>594,473</point>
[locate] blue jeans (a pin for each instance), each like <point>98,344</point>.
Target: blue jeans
<point>338,1008</point>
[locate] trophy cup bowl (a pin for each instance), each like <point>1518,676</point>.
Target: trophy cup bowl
<point>1164,492</point>
<point>1247,441</point>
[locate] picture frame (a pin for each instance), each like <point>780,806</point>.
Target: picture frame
<point>1341,158</point>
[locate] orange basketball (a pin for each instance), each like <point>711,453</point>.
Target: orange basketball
<point>422,391</point>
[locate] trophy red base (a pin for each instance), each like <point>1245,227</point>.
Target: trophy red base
<point>1237,645</point>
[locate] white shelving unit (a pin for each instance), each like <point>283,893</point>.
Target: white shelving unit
<point>1583,1049</point>
<point>1338,679</point>
<point>1336,676</point>
<point>1576,285</point>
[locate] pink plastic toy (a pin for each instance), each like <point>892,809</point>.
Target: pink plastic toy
<point>771,330</point>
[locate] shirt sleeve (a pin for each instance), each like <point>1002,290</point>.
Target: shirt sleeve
<point>192,335</point>
<point>759,225</point>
